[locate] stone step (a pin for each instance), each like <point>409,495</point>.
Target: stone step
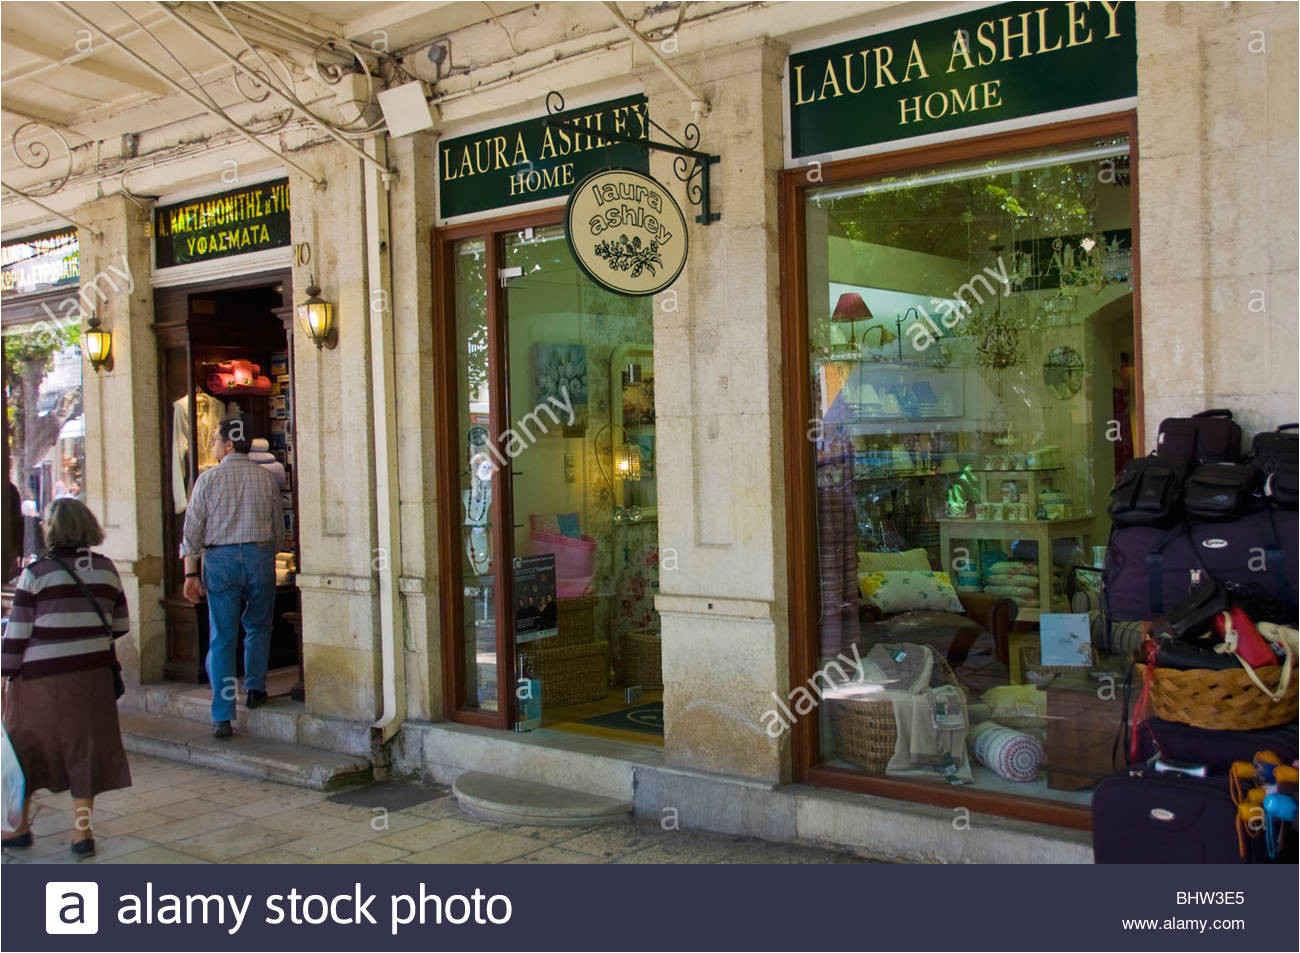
<point>508,801</point>
<point>178,739</point>
<point>280,719</point>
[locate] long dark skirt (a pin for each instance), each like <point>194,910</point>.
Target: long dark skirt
<point>65,733</point>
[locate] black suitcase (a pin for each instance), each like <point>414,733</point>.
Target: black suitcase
<point>1275,455</point>
<point>1211,436</point>
<point>1214,749</point>
<point>1140,816</point>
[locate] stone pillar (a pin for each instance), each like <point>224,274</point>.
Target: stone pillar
<point>413,213</point>
<point>723,596</point>
<point>123,472</point>
<point>1217,107</point>
<point>335,446</point>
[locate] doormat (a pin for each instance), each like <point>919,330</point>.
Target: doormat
<point>647,719</point>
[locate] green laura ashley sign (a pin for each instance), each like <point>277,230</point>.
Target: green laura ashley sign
<point>528,161</point>
<point>253,218</point>
<point>982,66</point>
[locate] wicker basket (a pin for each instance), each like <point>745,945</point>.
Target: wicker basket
<point>866,732</point>
<point>1038,672</point>
<point>1219,700</point>
<point>576,621</point>
<point>570,674</point>
<point>641,659</point>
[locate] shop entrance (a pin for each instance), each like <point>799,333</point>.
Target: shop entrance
<point>554,520</point>
<point>225,351</point>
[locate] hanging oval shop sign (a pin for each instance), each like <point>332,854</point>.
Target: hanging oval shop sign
<point>626,231</point>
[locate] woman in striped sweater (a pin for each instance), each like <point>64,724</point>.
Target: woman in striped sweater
<point>60,707</point>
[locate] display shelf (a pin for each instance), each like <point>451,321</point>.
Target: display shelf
<point>1043,532</point>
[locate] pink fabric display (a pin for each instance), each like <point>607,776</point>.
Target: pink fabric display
<point>575,562</point>
<point>1010,754</point>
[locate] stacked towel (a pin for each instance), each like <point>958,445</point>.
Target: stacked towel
<point>261,455</point>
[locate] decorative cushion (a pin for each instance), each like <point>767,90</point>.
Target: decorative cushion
<point>914,559</point>
<point>559,524</point>
<point>1010,754</point>
<point>1018,705</point>
<point>906,590</point>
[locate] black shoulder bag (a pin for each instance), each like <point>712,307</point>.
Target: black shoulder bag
<point>119,686</point>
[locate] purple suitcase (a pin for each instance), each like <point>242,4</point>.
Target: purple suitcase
<point>1214,749</point>
<point>1148,569</point>
<point>1141,817</point>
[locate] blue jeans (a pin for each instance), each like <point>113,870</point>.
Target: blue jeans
<point>242,573</point>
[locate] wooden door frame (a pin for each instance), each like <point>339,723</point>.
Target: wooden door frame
<point>448,455</point>
<point>800,501</point>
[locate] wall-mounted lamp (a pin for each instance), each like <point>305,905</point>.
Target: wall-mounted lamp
<point>316,315</point>
<point>98,344</point>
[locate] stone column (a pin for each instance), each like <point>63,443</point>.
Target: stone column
<point>335,446</point>
<point>1217,106</point>
<point>413,213</point>
<point>123,470</point>
<point>723,597</point>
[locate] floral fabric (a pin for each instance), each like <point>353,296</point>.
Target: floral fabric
<point>908,590</point>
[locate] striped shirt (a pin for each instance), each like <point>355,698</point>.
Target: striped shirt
<point>52,627</point>
<point>237,501</point>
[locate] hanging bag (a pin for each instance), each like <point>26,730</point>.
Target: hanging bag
<point>1241,640</point>
<point>115,668</point>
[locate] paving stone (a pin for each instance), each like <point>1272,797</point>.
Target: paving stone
<point>557,855</point>
<point>369,853</point>
<point>230,842</point>
<point>485,847</point>
<point>130,823</point>
<point>158,855</point>
<point>322,843</point>
<point>179,830</point>
<point>431,834</point>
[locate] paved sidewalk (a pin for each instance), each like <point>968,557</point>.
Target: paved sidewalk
<point>181,814</point>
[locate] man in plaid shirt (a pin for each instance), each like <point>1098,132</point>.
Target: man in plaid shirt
<point>234,526</point>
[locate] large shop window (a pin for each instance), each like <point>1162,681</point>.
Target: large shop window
<point>970,333</point>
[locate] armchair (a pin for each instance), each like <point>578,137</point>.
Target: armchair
<point>975,644</point>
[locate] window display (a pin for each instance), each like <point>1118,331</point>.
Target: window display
<point>969,330</point>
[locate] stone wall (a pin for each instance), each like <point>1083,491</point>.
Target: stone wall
<point>1217,133</point>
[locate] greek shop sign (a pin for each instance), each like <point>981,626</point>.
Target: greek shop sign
<point>626,231</point>
<point>529,161</point>
<point>232,223</point>
<point>987,65</point>
<point>41,263</point>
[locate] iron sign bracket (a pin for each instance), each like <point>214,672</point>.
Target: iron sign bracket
<point>691,166</point>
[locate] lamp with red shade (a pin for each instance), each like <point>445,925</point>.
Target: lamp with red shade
<point>850,309</point>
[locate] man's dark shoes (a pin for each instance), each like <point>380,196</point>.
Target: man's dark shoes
<point>222,729</point>
<point>254,699</point>
<point>18,840</point>
<point>84,848</point>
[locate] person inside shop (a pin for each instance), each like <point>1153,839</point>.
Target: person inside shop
<point>234,526</point>
<point>61,675</point>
